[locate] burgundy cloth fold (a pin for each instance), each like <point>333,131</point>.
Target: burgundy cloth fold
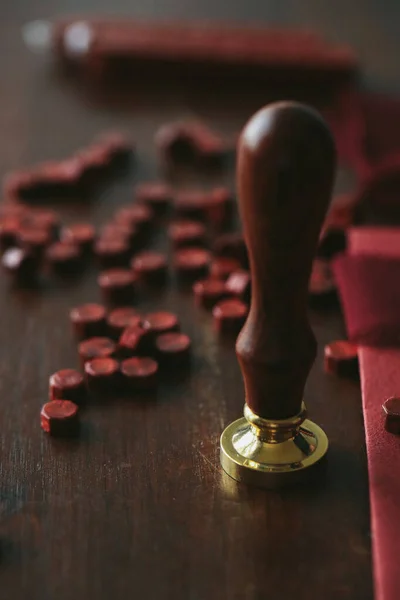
<point>369,290</point>
<point>378,194</point>
<point>380,379</point>
<point>368,279</point>
<point>381,242</point>
<point>367,133</point>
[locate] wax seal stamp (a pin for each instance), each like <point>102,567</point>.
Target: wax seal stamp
<point>286,164</point>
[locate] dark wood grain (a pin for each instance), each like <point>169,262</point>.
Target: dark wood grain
<point>139,506</point>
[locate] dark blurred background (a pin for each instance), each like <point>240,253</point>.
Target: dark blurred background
<point>370,26</point>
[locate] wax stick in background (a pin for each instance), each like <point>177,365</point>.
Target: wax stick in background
<point>100,44</point>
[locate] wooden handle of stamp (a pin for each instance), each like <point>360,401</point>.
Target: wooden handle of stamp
<point>286,166</point>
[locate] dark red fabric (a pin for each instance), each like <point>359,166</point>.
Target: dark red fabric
<point>380,379</point>
<point>374,241</point>
<point>368,280</point>
<point>378,194</point>
<point>381,115</point>
<point>347,123</point>
<point>369,290</point>
<point>366,128</point>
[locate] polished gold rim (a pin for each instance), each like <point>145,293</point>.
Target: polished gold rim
<point>248,457</point>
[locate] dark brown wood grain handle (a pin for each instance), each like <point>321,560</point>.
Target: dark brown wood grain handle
<point>286,165</point>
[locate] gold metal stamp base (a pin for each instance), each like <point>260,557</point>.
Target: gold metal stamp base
<point>271,454</point>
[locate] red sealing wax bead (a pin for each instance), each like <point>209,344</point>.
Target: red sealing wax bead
<point>150,267</point>
<point>230,315</point>
<point>60,418</point>
<point>20,184</point>
<point>81,234</point>
<point>173,349</point>
<point>116,144</point>
<point>123,231</point>
<point>139,215</point>
<point>192,263</point>
<point>112,252</point>
<point>139,374</point>
<point>102,375</point>
<point>391,411</point>
<point>175,143</point>
<point>45,173</point>
<point>133,341</point>
<point>211,150</point>
<point>156,194</point>
<point>120,319</point>
<point>116,230</point>
<point>117,285</point>
<point>321,287</point>
<point>341,358</point>
<point>12,208</point>
<point>212,206</point>
<point>21,264</point>
<point>63,259</point>
<point>96,347</point>
<point>9,229</point>
<point>46,219</point>
<point>222,266</point>
<point>209,145</point>
<point>209,291</point>
<point>59,174</point>
<point>67,384</point>
<point>95,156</point>
<point>34,240</point>
<point>239,284</point>
<point>88,320</point>
<point>160,322</point>
<point>220,206</point>
<point>193,204</point>
<point>187,233</point>
<point>232,245</point>
<point>70,172</point>
<point>94,162</point>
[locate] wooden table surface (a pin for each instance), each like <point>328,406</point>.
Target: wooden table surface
<point>138,506</point>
